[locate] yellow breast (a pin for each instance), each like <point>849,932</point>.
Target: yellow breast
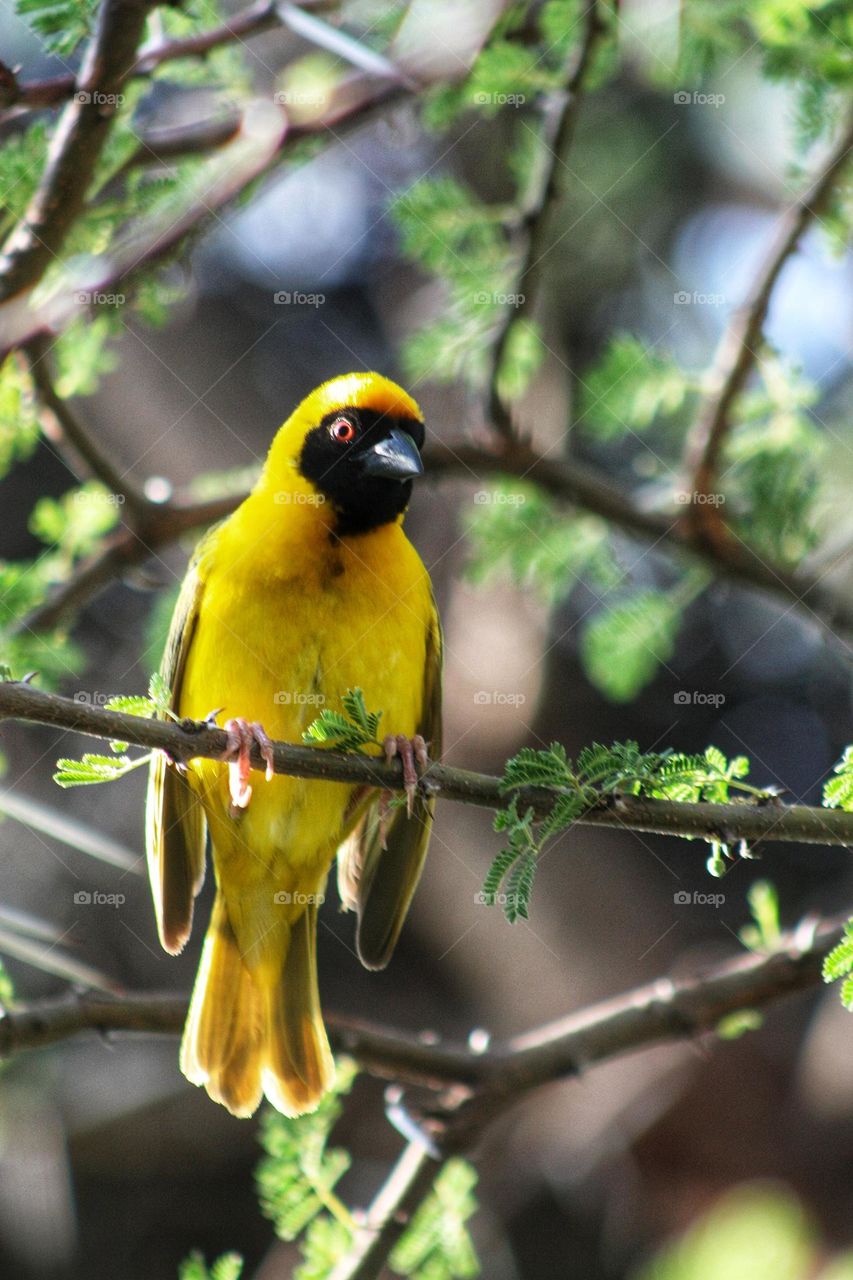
<point>289,620</point>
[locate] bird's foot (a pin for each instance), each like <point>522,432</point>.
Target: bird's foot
<point>242,736</point>
<point>412,752</point>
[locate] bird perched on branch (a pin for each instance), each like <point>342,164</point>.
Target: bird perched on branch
<point>309,589</point>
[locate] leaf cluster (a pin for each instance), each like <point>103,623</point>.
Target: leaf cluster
<point>599,776</point>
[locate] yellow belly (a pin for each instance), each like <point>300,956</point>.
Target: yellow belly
<point>276,642</point>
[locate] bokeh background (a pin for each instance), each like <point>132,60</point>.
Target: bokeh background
<point>110,1163</point>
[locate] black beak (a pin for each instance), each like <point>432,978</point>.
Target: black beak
<point>394,458</point>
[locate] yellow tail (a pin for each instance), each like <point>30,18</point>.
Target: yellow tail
<point>247,1035</point>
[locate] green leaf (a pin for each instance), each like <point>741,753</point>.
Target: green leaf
<point>735,1025</point>
<point>296,1179</point>
<point>62,24</point>
<point>523,356</point>
<point>436,1245</point>
<point>351,730</point>
<point>327,1241</point>
<point>229,1266</point>
<point>838,791</point>
<point>93,769</point>
<point>625,643</point>
<point>633,386</point>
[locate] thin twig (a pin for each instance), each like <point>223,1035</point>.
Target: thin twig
<point>726,823</point>
<point>666,1009</point>
<point>739,349</point>
<point>389,1215</point>
<point>559,119</point>
<point>76,146</point>
<point>65,428</point>
<point>121,551</point>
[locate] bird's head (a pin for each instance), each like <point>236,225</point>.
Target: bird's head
<point>354,446</point>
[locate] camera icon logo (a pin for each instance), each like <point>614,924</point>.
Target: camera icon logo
<point>83,898</point>
<point>282,898</point>
<point>681,698</point>
<point>682,898</point>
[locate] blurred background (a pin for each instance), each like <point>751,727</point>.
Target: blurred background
<point>110,1163</point>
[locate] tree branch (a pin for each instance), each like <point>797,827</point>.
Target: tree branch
<point>408,1183</point>
<point>739,345</point>
<point>663,1010</point>
<point>64,428</point>
<point>558,128</point>
<point>727,823</point>
<point>75,148</point>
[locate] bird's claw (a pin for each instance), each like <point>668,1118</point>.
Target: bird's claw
<point>411,751</point>
<point>242,736</point>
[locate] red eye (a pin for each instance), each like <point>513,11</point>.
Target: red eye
<point>342,430</point>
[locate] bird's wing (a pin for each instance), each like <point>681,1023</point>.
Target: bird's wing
<point>176,831</point>
<point>379,883</point>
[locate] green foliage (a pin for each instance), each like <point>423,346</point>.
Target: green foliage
<point>436,1245</point>
<point>752,1233</point>
<point>452,235</point>
<point>633,386</point>
<point>351,730</point>
<point>18,418</point>
<point>62,24</point>
<point>326,1242</point>
<point>599,777</point>
<point>22,158</point>
<point>737,1024</point>
<point>625,643</point>
<point>838,791</point>
<point>227,1267</point>
<point>838,966</point>
<point>765,932</point>
<point>297,1177</point>
<point>515,530</point>
<point>7,988</point>
<point>92,769</point>
<point>771,464</point>
<point>75,523</point>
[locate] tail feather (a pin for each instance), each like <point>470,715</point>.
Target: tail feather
<point>224,1034</point>
<point>299,1066</point>
<point>249,1033</point>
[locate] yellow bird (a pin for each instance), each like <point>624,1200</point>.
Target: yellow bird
<point>310,588</point>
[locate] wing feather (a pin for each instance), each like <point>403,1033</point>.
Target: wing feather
<point>380,883</point>
<point>176,831</point>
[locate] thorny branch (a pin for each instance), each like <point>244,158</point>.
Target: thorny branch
<point>186,740</point>
<point>560,116</point>
<point>739,348</point>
